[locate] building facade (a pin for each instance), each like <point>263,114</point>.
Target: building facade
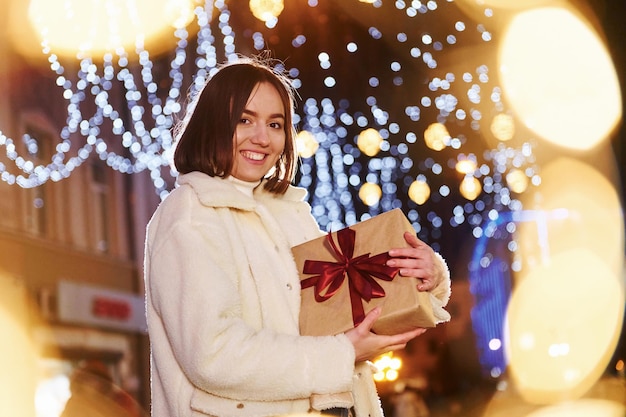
<point>71,250</point>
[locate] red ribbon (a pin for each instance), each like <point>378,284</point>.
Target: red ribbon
<point>360,271</point>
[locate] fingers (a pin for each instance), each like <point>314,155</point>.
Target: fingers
<point>416,261</point>
<point>369,320</point>
<point>413,240</point>
<point>368,345</point>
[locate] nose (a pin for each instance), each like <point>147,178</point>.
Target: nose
<point>261,135</point>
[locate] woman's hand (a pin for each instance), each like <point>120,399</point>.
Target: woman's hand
<point>368,345</point>
<point>418,261</point>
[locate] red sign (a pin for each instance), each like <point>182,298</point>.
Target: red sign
<point>109,308</point>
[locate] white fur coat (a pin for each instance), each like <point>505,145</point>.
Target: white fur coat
<point>223,299</point>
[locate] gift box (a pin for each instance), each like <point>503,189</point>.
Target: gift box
<point>343,276</point>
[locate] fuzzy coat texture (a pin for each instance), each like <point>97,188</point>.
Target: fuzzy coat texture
<point>222,304</point>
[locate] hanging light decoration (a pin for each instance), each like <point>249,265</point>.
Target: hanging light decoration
<point>370,194</point>
<point>306,144</point>
<point>330,169</point>
<point>436,136</point>
<point>266,10</point>
<point>517,180</point>
<point>470,187</point>
<point>369,141</point>
<point>388,367</point>
<point>94,27</point>
<point>503,127</point>
<point>466,164</point>
<point>419,191</point>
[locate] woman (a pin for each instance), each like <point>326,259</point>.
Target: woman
<point>222,289</point>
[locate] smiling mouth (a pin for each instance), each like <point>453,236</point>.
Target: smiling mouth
<point>255,156</point>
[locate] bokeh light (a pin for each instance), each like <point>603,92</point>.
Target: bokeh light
<point>306,145</point>
<point>582,408</point>
<point>266,10</point>
<point>18,353</point>
<point>571,279</point>
<point>564,320</point>
<point>370,193</point>
<point>419,191</point>
<point>93,27</point>
<point>369,142</point>
<point>470,187</point>
<point>568,97</point>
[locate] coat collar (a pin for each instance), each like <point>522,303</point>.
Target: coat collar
<point>219,192</point>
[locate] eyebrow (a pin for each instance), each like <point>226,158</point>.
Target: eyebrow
<point>272,116</point>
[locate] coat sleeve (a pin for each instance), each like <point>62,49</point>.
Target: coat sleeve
<point>195,317</point>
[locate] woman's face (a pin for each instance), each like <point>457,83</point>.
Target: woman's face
<point>260,135</point>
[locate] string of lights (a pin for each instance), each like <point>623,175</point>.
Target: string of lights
<point>347,182</point>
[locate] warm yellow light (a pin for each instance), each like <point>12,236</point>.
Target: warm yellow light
<point>550,358</point>
<point>436,136</point>
<point>92,27</point>
<point>470,187</point>
<point>395,363</point>
<point>266,10</point>
<point>466,166</point>
<point>379,376</point>
<point>559,78</point>
<point>507,4</point>
<point>370,194</point>
<point>391,375</point>
<point>369,141</point>
<point>571,277</point>
<point>18,355</point>
<point>582,408</point>
<point>503,127</point>
<point>306,145</point>
<point>517,180</point>
<point>387,366</point>
<point>383,361</point>
<point>589,210</point>
<point>419,191</point>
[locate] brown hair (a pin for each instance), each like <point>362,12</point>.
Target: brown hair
<point>205,136</point>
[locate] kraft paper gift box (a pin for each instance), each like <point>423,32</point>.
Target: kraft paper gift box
<point>343,276</point>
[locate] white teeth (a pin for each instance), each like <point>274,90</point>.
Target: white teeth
<point>253,155</point>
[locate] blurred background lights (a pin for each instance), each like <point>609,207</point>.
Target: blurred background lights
<point>419,191</point>
<point>470,187</point>
<point>517,181</point>
<point>571,279</point>
<point>98,26</point>
<point>266,10</point>
<point>388,367</point>
<point>591,216</point>
<point>306,144</point>
<point>18,354</point>
<point>503,127</point>
<point>370,194</point>
<point>466,164</point>
<point>564,320</point>
<point>567,97</point>
<point>369,141</point>
<point>582,408</point>
<point>436,136</point>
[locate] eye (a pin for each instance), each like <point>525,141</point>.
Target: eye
<point>244,121</point>
<point>276,125</point>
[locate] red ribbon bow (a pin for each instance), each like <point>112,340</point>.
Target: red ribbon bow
<point>360,271</point>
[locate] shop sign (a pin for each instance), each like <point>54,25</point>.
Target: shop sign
<point>102,307</point>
